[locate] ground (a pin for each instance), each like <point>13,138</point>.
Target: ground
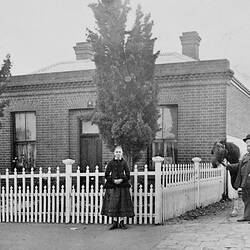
<point>210,210</point>
<point>203,228</point>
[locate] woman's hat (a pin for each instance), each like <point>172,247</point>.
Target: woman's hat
<point>247,138</point>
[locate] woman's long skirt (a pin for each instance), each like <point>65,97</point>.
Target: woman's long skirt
<point>117,203</point>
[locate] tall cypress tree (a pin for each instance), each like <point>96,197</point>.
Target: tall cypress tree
<point>126,109</point>
<point>4,78</point>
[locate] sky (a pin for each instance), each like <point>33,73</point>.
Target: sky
<point>38,33</point>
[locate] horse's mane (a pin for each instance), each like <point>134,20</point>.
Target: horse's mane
<point>233,151</point>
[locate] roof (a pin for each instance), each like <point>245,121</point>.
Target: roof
<point>88,64</point>
<point>242,77</point>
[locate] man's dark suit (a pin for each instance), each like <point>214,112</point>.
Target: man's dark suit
<point>243,181</point>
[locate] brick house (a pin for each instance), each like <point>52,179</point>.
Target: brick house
<point>200,102</point>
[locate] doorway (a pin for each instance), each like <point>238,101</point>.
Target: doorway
<point>90,152</point>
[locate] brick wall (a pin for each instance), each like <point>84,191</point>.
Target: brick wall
<point>60,99</point>
<point>201,117</point>
<point>52,121</point>
<point>238,115</point>
<point>199,90</point>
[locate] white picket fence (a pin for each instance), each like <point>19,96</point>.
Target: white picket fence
<point>186,187</point>
<point>157,195</point>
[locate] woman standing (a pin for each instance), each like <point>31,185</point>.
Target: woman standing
<point>117,200</point>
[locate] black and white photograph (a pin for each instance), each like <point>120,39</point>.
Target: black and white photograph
<point>124,125</point>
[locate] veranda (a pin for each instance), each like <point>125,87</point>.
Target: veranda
<point>75,197</point>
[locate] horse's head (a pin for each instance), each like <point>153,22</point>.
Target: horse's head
<point>219,153</point>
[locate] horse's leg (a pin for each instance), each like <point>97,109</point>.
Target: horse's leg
<point>235,211</point>
<point>233,194</point>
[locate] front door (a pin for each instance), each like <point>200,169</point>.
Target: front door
<point>91,152</point>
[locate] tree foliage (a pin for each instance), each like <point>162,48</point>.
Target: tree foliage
<point>4,78</point>
<point>126,109</point>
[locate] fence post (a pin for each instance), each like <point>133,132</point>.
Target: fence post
<point>158,189</point>
<point>197,161</point>
<point>68,170</point>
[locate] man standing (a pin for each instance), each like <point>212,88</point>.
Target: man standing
<point>243,179</point>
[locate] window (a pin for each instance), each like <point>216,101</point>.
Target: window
<point>90,146</point>
<point>89,128</point>
<point>24,140</point>
<point>165,143</point>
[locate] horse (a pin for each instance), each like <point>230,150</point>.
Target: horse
<point>227,150</point>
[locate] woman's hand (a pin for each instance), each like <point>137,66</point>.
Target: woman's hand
<point>118,181</point>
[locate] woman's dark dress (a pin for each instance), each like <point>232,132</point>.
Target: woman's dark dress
<point>117,200</point>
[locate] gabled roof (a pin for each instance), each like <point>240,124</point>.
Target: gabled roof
<point>88,64</point>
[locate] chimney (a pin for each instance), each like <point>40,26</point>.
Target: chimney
<point>190,42</point>
<point>83,50</point>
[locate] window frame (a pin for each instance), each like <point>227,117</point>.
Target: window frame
<point>24,143</point>
<point>163,140</point>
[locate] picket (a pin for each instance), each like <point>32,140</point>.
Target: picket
<point>151,204</point>
<point>27,204</point>
<point>15,196</point>
<point>101,202</point>
<point>7,195</point>
<point>49,196</point>
<point>44,203</point>
<point>40,197</point>
<point>36,203</point>
<point>3,204</point>
<point>78,195</point>
<point>135,195</point>
<point>91,204</point>
<point>82,204</point>
<point>87,196</point>
<point>53,204</point>
<point>57,195</point>
<point>145,205</point>
<point>11,204</point>
<point>73,204</point>
<point>62,204</point>
<point>96,193</point>
<point>19,204</point>
<point>140,204</point>
<point>32,194</point>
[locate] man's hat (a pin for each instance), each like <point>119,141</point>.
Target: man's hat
<point>247,138</point>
